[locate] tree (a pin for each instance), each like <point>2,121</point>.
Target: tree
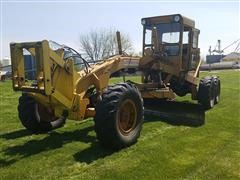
<point>101,44</point>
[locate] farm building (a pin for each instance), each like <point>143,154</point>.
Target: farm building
<point>29,65</point>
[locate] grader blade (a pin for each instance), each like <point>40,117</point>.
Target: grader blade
<point>175,113</point>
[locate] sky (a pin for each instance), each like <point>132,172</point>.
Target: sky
<point>64,22</point>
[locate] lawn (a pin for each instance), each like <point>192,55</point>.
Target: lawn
<point>163,151</point>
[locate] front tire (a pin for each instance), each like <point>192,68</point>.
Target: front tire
<point>34,116</point>
<point>119,116</point>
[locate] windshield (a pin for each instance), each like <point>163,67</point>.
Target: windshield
<point>54,45</point>
<point>78,62</point>
<point>69,53</point>
<point>167,32</point>
<point>168,36</point>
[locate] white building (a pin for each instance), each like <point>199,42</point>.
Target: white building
<point>6,61</point>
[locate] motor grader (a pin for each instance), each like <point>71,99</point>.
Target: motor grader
<point>64,88</point>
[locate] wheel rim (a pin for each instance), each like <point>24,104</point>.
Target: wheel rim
<point>127,116</point>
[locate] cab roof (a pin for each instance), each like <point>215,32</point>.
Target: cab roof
<point>170,18</point>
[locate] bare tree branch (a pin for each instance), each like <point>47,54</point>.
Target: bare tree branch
<point>102,44</point>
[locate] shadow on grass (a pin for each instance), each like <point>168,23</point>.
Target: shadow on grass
<point>94,152</point>
<point>54,140</point>
<point>4,162</point>
<point>15,134</point>
<point>175,113</point>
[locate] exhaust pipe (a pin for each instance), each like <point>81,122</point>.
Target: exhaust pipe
<point>60,121</point>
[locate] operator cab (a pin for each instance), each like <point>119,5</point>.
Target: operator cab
<point>172,39</point>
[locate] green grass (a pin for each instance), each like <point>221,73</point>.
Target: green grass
<point>164,151</point>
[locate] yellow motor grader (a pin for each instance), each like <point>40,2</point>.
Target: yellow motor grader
<point>64,88</point>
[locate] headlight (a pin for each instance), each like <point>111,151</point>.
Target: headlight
<point>143,21</point>
<point>176,18</point>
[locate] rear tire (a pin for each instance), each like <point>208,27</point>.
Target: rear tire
<point>217,89</point>
<point>206,92</point>
<point>119,116</point>
<point>179,89</point>
<point>34,116</point>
